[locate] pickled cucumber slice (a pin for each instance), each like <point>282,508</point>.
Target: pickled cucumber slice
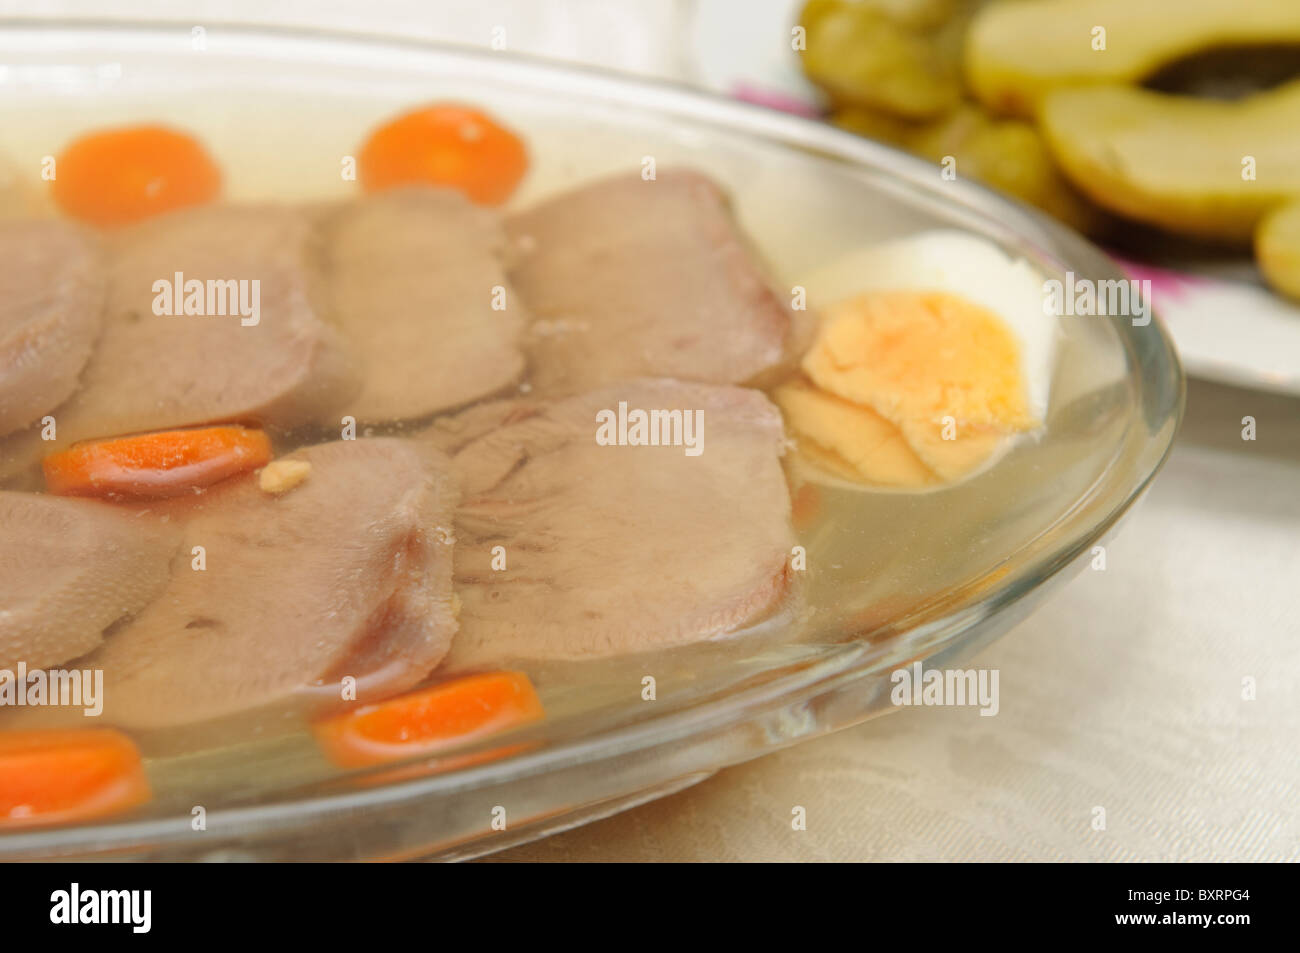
<point>1007,154</point>
<point>1016,53</point>
<point>902,57</point>
<point>1198,167</point>
<point>1277,248</point>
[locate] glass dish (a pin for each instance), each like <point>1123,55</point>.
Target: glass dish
<point>897,577</point>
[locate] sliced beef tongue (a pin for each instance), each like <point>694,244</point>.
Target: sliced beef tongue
<point>69,569</point>
<point>611,549</point>
<point>51,309</point>
<point>155,371</point>
<point>288,368</point>
<point>630,278</point>
<point>347,574</point>
<point>413,277</point>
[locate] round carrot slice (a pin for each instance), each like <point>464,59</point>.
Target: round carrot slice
<point>53,777</point>
<point>124,175</point>
<point>449,145</point>
<point>427,721</point>
<point>155,465</point>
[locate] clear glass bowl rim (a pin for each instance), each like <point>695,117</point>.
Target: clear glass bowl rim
<point>1160,385</point>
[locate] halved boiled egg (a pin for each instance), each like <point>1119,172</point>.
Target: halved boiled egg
<point>932,353</point>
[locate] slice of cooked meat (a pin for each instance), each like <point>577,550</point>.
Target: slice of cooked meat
<point>615,549</point>
<point>154,371</point>
<point>346,574</point>
<point>51,309</point>
<point>71,568</point>
<point>412,275</point>
<point>627,278</point>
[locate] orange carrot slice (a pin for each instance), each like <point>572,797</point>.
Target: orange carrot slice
<point>53,777</point>
<point>428,721</point>
<point>124,175</point>
<point>449,145</point>
<point>155,465</point>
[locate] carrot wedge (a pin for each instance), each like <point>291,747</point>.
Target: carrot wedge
<point>155,465</point>
<point>430,720</point>
<point>53,777</point>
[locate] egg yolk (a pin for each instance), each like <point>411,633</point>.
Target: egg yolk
<point>849,441</point>
<point>922,356</point>
<point>907,389</point>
